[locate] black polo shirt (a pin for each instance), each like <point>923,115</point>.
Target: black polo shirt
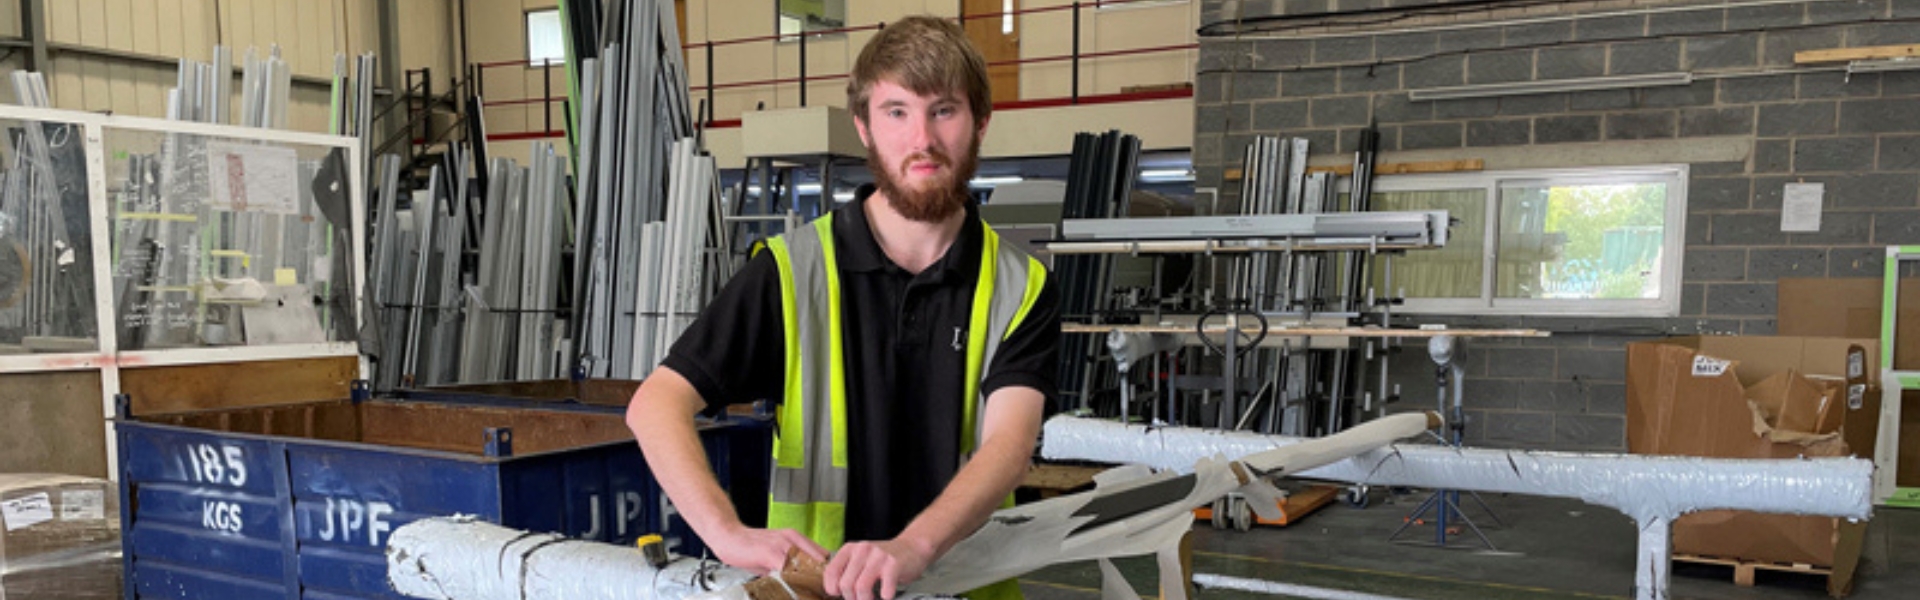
<point>906,362</point>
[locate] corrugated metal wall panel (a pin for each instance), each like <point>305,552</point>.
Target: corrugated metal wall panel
<point>93,30</point>
<point>63,22</point>
<point>145,23</point>
<point>10,22</point>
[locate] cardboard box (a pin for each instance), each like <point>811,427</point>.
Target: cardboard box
<point>1850,308</point>
<point>59,537</point>
<point>95,576</point>
<point>1711,396</point>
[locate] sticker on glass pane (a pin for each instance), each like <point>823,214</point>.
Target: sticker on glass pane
<point>248,178</point>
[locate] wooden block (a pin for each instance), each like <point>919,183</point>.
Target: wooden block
<point>1056,478</point>
<point>1850,54</point>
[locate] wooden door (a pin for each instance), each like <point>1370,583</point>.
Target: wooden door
<point>998,39</point>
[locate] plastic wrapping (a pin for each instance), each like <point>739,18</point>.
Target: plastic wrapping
<point>1129,347</point>
<point>1133,512</point>
<point>1654,490</point>
<point>467,559</point>
<point>1641,486</point>
<point>59,538</point>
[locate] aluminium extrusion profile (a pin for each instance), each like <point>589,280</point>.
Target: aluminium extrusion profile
<point>441,368</point>
<point>1900,63</point>
<point>477,355</point>
<point>425,215</point>
<point>648,321</point>
<point>1427,227</point>
<point>508,280</point>
<point>588,262</point>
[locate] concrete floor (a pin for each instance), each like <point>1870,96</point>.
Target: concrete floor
<point>1549,548</point>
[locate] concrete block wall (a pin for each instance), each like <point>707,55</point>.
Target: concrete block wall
<point>1317,71</point>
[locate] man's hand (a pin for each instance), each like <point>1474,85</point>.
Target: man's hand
<point>860,566</point>
<point>762,551</point>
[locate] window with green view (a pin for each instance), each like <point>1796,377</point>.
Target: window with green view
<point>1576,241</point>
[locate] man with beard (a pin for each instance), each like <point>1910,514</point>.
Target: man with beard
<point>911,351</point>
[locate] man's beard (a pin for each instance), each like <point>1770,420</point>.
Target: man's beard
<point>945,193</point>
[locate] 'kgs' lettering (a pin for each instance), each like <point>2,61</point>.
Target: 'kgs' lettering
<point>220,516</point>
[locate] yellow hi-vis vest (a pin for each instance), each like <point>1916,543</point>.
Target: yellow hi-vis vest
<point>809,486</point>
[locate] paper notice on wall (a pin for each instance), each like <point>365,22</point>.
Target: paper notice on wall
<point>1707,366</point>
<point>1800,210</point>
<point>82,505</point>
<point>247,178</point>
<point>26,511</point>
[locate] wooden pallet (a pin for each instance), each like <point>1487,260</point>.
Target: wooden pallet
<point>1296,506</point>
<point>1053,479</point>
<point>1743,569</point>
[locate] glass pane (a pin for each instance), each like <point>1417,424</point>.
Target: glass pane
<point>1451,272</point>
<point>46,241</point>
<point>812,15</point>
<point>1584,241</point>
<point>226,242</point>
<point>544,38</point>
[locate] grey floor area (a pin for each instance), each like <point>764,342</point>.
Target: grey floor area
<point>1548,548</point>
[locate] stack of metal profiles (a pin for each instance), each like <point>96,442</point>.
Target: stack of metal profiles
<point>637,216</point>
<point>45,294</point>
<point>1304,286</point>
<point>509,321</point>
<point>1099,183</point>
<point>264,86</point>
<point>646,193</point>
<point>1273,182</point>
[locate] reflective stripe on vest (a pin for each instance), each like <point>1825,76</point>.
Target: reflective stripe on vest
<point>808,494</point>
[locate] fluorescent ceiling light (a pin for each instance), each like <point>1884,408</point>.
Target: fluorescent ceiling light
<point>843,196</point>
<point>805,188</point>
<point>997,180</point>
<point>1904,63</point>
<point>1160,175</point>
<point>1551,86</point>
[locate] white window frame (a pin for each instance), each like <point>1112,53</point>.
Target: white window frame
<point>1673,240</point>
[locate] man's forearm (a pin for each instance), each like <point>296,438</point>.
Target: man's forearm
<point>662,419</point>
<point>983,483</point>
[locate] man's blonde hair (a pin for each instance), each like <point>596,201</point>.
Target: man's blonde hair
<point>927,55</point>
